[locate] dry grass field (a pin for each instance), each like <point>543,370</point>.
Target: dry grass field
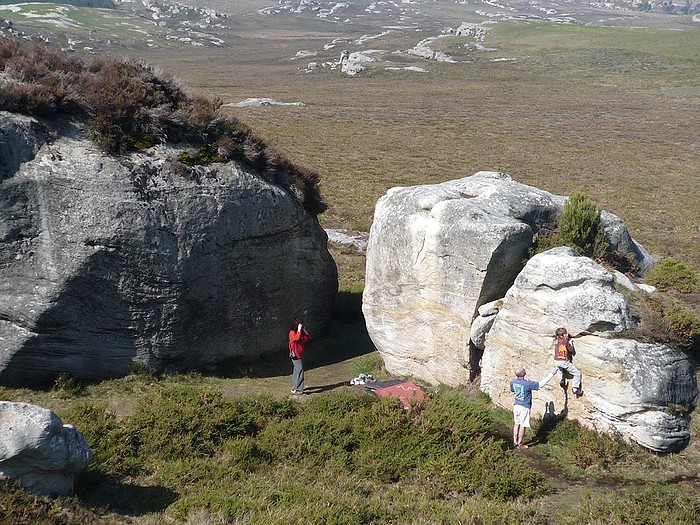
<point>610,108</point>
<point>612,112</point>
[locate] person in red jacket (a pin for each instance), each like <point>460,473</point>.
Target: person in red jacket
<point>298,336</point>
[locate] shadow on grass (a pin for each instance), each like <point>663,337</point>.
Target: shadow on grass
<point>98,491</point>
<point>324,388</point>
<point>550,420</point>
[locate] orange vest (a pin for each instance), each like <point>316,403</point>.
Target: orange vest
<point>561,349</point>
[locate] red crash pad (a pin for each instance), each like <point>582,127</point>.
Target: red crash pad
<point>406,392</point>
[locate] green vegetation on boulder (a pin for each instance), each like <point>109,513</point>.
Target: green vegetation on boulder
<point>579,227</point>
<point>672,274</point>
<point>128,106</point>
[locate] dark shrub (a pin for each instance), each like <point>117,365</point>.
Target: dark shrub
<point>586,448</point>
<point>580,226</point>
<point>128,106</point>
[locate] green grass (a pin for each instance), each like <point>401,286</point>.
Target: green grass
<point>188,453</point>
<point>612,113</point>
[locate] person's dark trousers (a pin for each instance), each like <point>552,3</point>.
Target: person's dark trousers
<point>298,375</point>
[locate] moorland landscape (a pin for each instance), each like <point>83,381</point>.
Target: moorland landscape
<point>598,98</point>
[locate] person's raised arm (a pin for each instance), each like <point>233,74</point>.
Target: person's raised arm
<point>549,377</point>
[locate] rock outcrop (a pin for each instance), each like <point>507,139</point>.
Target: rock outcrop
<point>108,261</point>
<point>39,450</point>
<point>642,391</point>
<point>437,253</point>
<point>447,297</point>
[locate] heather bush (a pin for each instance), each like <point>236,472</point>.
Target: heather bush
<point>671,274</point>
<point>650,503</point>
<point>128,106</point>
<point>663,319</point>
<point>580,227</point>
<point>18,506</point>
<point>342,458</point>
<point>444,440</point>
<point>683,324</point>
<point>8,48</point>
<point>235,455</point>
<point>586,448</point>
<point>113,443</point>
<point>67,385</point>
<point>179,421</point>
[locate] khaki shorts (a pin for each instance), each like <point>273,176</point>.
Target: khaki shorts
<point>521,415</point>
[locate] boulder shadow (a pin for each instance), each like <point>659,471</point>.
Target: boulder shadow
<point>346,338</point>
<point>85,331</point>
<point>106,493</point>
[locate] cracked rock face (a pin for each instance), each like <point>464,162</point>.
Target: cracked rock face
<point>435,254</point>
<point>39,450</point>
<point>644,392</point>
<point>106,262</point>
<point>446,297</point>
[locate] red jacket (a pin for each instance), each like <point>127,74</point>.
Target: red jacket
<point>297,340</point>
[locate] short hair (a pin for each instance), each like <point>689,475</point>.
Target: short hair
<point>561,332</point>
<point>520,372</point>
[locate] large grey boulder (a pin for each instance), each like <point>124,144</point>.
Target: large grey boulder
<point>619,236</point>
<point>20,139</point>
<point>436,253</point>
<point>39,450</point>
<point>108,261</point>
<point>643,391</point>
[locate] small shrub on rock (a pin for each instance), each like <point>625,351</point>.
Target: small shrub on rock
<point>580,227</point>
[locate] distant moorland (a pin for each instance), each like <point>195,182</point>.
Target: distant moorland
<point>567,96</point>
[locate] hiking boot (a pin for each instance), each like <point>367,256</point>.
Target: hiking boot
<point>578,392</point>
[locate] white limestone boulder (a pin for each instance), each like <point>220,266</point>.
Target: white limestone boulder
<point>38,449</point>
<point>642,391</point>
<point>482,324</point>
<point>436,253</point>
